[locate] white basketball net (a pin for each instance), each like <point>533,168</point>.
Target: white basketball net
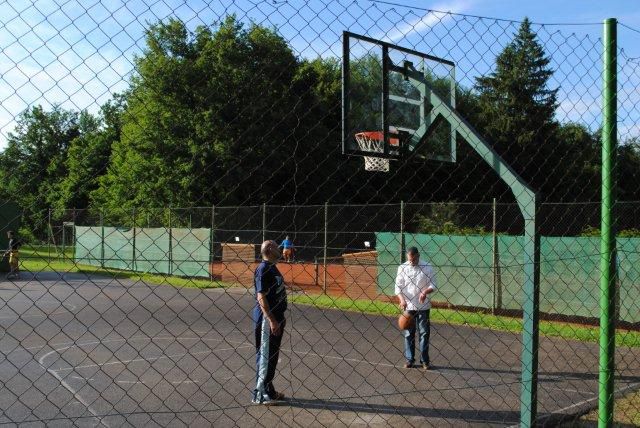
<point>368,144</point>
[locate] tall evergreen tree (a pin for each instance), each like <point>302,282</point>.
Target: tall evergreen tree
<point>518,108</point>
<point>516,95</point>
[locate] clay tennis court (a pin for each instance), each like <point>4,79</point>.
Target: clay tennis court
<point>95,351</point>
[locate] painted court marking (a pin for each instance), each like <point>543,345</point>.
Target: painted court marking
<point>66,308</point>
<point>160,357</point>
<point>55,372</point>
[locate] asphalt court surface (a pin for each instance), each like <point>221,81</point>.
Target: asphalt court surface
<point>97,351</point>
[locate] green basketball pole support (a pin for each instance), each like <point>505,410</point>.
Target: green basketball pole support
<point>528,202</point>
<point>607,237</point>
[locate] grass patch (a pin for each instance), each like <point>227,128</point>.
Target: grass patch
<point>38,259</point>
<point>475,319</point>
<point>626,412</point>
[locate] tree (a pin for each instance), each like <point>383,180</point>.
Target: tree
<point>34,161</point>
<point>629,169</point>
<point>516,94</point>
<point>575,165</point>
<point>207,118</point>
<point>88,156</point>
<point>518,107</point>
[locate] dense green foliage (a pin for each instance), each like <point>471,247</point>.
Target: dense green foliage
<point>228,114</point>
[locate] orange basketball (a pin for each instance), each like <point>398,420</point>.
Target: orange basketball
<point>406,321</point>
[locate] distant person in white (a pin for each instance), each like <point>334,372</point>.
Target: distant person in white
<point>414,284</point>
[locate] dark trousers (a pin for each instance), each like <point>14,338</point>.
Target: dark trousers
<point>267,354</point>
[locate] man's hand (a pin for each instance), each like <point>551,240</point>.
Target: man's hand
<point>276,327</point>
<point>423,295</point>
<point>403,305</point>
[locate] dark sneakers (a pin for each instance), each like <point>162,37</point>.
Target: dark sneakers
<point>268,400</point>
<point>425,367</point>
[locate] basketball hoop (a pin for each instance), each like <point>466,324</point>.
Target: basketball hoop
<point>373,141</point>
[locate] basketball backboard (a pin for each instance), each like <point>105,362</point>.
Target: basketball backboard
<point>385,92</point>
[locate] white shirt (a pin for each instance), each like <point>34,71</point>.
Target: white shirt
<point>412,280</point>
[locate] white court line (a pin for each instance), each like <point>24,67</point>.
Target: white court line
<point>75,393</point>
<point>135,338</point>
<point>186,381</point>
<point>135,360</point>
<point>143,382</point>
<point>69,388</point>
<point>589,400</point>
<point>568,390</point>
<point>81,378</point>
<point>66,311</point>
<point>233,377</point>
<point>354,360</point>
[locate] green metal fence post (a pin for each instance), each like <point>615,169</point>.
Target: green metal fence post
<point>324,258</point>
<point>64,245</point>
<point>73,235</point>
<point>133,254</point>
<point>402,243</point>
<point>264,222</point>
<point>170,268</point>
<point>102,239</point>
<point>50,237</point>
<point>497,277</point>
<point>607,238</point>
<point>212,241</point>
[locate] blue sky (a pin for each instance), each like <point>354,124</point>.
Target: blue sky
<point>77,53</point>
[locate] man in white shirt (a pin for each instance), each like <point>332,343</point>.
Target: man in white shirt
<point>414,284</point>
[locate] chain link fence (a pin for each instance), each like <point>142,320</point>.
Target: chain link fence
<point>131,310</point>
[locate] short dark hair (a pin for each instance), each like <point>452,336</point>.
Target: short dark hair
<point>413,251</point>
<point>10,231</point>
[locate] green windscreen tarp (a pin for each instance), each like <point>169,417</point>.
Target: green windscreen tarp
<point>152,250</point>
<point>629,275</point>
<point>118,248</point>
<point>570,271</point>
<point>388,247</point>
<point>183,252</point>
<point>88,245</point>
<point>191,252</point>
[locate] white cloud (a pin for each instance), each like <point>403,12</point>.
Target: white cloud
<point>429,19</point>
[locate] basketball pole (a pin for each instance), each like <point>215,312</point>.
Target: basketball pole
<point>607,227</point>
